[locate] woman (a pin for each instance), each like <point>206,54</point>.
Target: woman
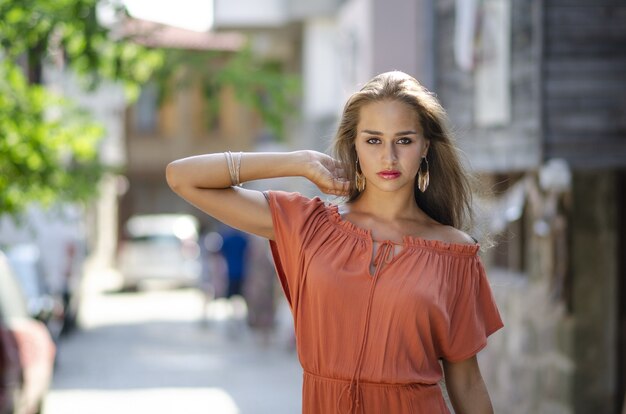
<point>385,286</point>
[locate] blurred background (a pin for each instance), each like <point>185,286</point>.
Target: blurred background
<point>117,296</point>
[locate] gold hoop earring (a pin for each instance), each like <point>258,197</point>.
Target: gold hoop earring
<point>423,177</point>
<point>359,179</point>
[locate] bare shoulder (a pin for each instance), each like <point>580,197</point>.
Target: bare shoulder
<point>453,235</point>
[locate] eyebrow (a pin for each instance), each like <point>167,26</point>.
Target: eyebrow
<point>369,131</point>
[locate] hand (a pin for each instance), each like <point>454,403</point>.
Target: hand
<point>327,174</point>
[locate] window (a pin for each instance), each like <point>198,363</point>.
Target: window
<point>145,113</point>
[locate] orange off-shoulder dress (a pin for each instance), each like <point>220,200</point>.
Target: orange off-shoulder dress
<point>371,341</point>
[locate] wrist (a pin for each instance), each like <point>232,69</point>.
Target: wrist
<point>302,163</point>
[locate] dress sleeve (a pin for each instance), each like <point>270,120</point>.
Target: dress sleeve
<point>473,313</point>
<point>295,219</point>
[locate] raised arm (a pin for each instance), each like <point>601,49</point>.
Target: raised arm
<point>205,182</point>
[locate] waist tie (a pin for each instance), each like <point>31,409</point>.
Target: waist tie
<point>384,255</point>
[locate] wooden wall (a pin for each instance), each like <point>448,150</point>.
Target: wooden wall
<point>584,82</point>
<point>514,147</point>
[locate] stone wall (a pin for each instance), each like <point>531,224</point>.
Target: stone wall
<point>526,366</point>
<point>557,353</point>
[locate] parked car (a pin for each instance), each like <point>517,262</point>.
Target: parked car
<point>10,370</point>
<point>35,348</point>
<point>162,247</point>
<point>42,304</point>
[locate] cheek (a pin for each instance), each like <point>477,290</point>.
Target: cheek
<point>365,154</point>
<point>413,159</point>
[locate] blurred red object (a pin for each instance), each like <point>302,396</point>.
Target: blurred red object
<point>34,346</point>
<point>10,371</point>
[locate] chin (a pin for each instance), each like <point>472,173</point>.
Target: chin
<point>391,188</point>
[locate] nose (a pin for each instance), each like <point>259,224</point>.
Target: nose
<point>389,153</point>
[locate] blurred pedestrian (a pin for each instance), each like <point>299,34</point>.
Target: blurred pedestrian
<point>385,286</point>
<point>259,289</point>
<point>213,279</point>
<point>235,251</point>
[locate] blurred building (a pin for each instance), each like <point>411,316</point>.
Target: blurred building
<point>106,104</point>
<point>158,132</point>
<point>535,91</point>
<point>335,45</point>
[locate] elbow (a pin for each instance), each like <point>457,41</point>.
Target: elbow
<point>172,175</point>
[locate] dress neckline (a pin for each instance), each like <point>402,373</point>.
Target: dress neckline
<point>460,249</point>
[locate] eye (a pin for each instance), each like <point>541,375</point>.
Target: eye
<point>405,141</point>
<point>373,141</point>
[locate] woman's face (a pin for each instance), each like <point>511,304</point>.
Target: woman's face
<point>390,145</point>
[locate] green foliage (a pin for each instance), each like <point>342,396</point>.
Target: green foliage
<point>48,148</point>
<point>261,85</point>
<point>37,27</point>
<point>44,158</point>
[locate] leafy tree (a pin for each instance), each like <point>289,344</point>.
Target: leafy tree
<point>48,148</point>
<point>35,28</point>
<point>45,158</point>
<point>259,84</point>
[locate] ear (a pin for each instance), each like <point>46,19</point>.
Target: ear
<point>426,148</point>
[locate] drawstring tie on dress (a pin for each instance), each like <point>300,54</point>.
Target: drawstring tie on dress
<point>384,255</point>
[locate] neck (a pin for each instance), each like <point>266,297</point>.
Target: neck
<point>387,206</point>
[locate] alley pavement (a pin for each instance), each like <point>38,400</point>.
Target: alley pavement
<point>154,352</point>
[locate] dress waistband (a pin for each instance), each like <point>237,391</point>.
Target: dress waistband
<point>370,383</point>
<point>350,399</point>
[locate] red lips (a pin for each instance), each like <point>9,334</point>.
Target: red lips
<point>389,174</point>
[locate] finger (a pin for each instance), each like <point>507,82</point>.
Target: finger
<point>340,183</point>
<point>341,186</point>
<point>330,184</point>
<point>345,188</point>
<point>329,191</point>
<point>332,189</point>
<point>340,173</point>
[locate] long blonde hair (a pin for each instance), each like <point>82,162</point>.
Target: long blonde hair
<point>448,197</point>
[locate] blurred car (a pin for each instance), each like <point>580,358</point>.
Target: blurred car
<point>10,370</point>
<point>41,303</point>
<point>35,348</point>
<point>160,247</point>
